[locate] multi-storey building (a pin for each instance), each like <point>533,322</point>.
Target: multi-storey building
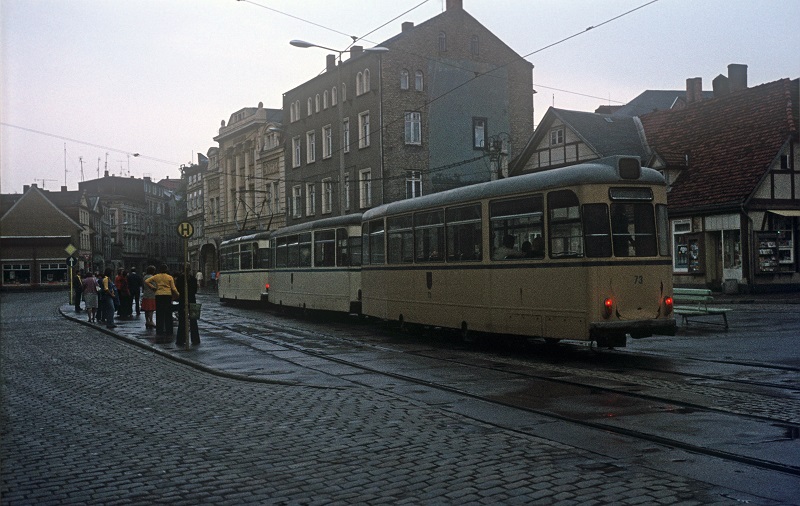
<point>243,183</point>
<point>381,126</point>
<point>195,205</point>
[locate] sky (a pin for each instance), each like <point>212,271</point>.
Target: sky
<point>86,84</point>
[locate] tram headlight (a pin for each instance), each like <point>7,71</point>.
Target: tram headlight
<point>608,306</point>
<point>668,303</point>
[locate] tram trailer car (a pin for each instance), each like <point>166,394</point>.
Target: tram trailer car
<point>317,265</point>
<point>244,268</point>
<point>579,253</point>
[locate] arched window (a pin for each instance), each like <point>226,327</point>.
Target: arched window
<point>474,47</point>
<point>442,41</point>
<point>334,96</point>
<point>366,81</point>
<point>316,103</point>
<point>418,80</point>
<point>404,79</point>
<point>291,112</point>
<point>344,92</point>
<point>359,85</point>
<point>310,106</point>
<point>325,100</point>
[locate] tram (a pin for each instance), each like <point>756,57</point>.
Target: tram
<point>317,265</point>
<point>244,268</point>
<point>579,252</point>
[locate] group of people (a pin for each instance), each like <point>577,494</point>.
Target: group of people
<point>107,295</point>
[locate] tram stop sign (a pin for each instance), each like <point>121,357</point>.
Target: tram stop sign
<point>185,229</point>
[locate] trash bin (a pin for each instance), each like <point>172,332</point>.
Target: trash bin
<point>194,310</point>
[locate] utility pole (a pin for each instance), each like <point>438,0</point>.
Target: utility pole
<point>80,159</point>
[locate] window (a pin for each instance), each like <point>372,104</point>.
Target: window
<point>596,232</point>
<point>325,100</point>
<point>418,80</point>
<point>296,152</point>
<point>359,83</point>
<point>366,86</point>
<point>327,141</point>
<point>556,136</point>
<point>480,137</point>
<point>413,131</point>
<point>297,202</point>
<point>311,199</point>
<point>363,130</point>
<point>292,117</point>
<point>309,108</point>
<point>429,236</point>
<point>516,228</point>
<point>334,96</point>
<point>53,273</point>
<point>344,92</point>
<point>404,79</point>
<point>347,192</point>
<point>365,188</point>
<point>316,103</point>
<point>303,250</point>
<point>16,274</point>
<point>277,197</point>
<point>413,184</point>
<point>327,196</point>
<point>633,230</point>
<point>400,233</point>
<point>565,224</point>
<point>311,147</point>
<point>325,248</point>
<point>464,233</point>
<point>442,41</point>
<point>372,242</point>
<point>474,46</point>
<point>346,135</point>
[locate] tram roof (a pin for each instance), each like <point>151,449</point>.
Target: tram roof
<point>246,238</point>
<point>602,171</point>
<point>334,221</point>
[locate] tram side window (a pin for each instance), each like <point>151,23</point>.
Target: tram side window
<point>566,237</point>
<point>365,243</point>
<point>517,228</point>
<point>633,230</point>
<point>344,255</point>
<point>464,237</point>
<point>400,233</point>
<point>304,250</point>
<point>282,252</point>
<point>376,247</point>
<point>294,251</point>
<point>246,256</point>
<point>354,246</point>
<point>229,258</point>
<point>324,248</point>
<point>429,236</point>
<point>596,232</point>
<point>263,258</point>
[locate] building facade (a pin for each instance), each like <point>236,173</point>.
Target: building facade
<point>380,126</point>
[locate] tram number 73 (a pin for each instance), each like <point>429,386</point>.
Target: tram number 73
<point>638,280</point>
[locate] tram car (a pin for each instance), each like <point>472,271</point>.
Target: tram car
<point>244,268</point>
<point>579,252</point>
<point>317,265</point>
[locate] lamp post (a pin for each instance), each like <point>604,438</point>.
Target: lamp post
<point>339,107</point>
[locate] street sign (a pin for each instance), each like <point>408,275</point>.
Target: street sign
<point>71,261</point>
<point>185,229</point>
<point>70,249</point>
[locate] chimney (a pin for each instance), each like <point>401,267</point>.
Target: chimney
<point>25,188</point>
<point>453,5</point>
<point>105,173</point>
<point>356,50</point>
<point>407,25</point>
<point>330,62</point>
<point>721,86</point>
<point>694,89</point>
<point>63,188</point>
<point>737,76</point>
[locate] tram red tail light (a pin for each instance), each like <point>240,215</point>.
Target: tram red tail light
<point>668,303</point>
<point>266,287</point>
<point>608,306</point>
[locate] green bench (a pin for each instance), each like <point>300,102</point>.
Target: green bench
<point>693,302</point>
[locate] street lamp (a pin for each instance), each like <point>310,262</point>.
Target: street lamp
<point>339,107</point>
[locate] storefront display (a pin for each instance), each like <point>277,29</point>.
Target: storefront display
<point>775,252</point>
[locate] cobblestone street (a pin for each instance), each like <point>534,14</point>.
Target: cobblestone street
<point>89,419</point>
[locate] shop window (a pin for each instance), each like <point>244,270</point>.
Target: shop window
<point>16,274</point>
<point>688,248</point>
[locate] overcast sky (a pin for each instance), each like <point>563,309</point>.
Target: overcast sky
<point>156,77</point>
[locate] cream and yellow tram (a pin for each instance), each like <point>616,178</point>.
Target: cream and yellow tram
<point>579,252</point>
<point>317,265</point>
<point>244,264</point>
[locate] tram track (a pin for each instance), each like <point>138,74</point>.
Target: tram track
<point>255,329</point>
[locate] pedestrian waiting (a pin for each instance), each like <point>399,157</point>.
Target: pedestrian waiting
<point>164,287</point>
<point>149,298</point>
<point>186,281</point>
